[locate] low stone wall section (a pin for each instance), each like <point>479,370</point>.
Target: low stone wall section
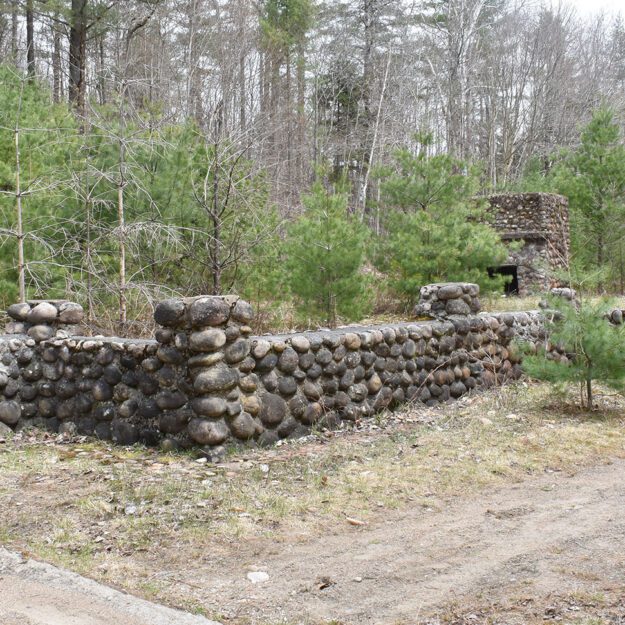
<point>205,381</point>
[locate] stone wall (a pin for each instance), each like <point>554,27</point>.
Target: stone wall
<point>206,381</point>
<point>539,223</point>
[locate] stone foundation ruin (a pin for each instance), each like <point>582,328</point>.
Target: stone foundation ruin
<point>206,381</point>
<point>538,226</point>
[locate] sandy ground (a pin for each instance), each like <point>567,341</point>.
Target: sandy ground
<point>527,547</point>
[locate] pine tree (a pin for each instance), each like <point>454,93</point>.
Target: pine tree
<point>435,230</point>
<point>594,349</point>
<point>593,178</point>
<point>36,140</point>
<point>325,251</point>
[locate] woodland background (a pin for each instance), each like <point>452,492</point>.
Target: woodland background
<point>322,153</point>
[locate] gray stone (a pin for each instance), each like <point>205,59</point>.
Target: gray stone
<point>242,311</point>
<point>352,341</point>
<point>234,407</point>
<point>260,348</point>
<point>69,428</point>
<point>112,374</point>
<point>169,312</point>
<point>357,392</point>
<point>409,348</point>
<point>102,391</point>
<point>10,412</point>
<point>457,307</point>
<point>209,406</point>
<point>383,399</point>
<point>70,312</point>
<point>164,335</point>
<point>270,381</point>
<point>306,361</point>
<point>288,360</point>
<point>247,365</point>
<point>237,351</point>
<point>208,432</point>
<point>174,422</point>
<point>205,360</point>
<point>457,389</point>
<point>207,340</point>
<point>287,385</point>
<point>19,312</point>
<point>249,383</point>
<point>268,363</point>
<point>287,427</point>
<point>353,359</point>
<point>128,408</point>
<point>208,311</point>
<point>617,316</point>
<point>311,390</point>
<point>315,371</point>
<point>151,364</point>
<point>32,372</point>
<point>218,378</point>
<point>251,404</point>
<point>243,426</point>
<point>232,333</point>
<point>41,333</point>
<point>15,327</point>
<point>273,409</point>
<point>374,384</point>
<point>300,343</point>
<point>312,413</point>
<point>170,400</point>
<point>123,433</point>
<point>181,340</point>
<point>449,291</point>
<point>324,356</point>
<point>170,355</point>
<point>42,313</point>
<point>64,388</point>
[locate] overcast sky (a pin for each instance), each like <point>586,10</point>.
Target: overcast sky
<point>587,7</point>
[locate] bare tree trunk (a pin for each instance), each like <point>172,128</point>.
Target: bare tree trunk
<point>101,81</point>
<point>57,79</point>
<point>301,112</point>
<point>121,221</point>
<point>77,52</point>
<point>30,41</point>
<point>21,267</point>
<point>88,257</point>
<point>242,94</point>
<point>14,14</point>
<point>216,225</point>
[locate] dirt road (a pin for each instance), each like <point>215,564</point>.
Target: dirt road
<point>548,548</point>
<point>534,543</point>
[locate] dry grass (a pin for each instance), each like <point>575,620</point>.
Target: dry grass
<point>114,513</point>
<point>502,303</point>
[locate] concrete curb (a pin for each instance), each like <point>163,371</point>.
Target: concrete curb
<point>99,603</point>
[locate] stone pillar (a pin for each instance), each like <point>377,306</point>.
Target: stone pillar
<point>208,338</point>
<point>448,299</point>
<point>44,319</point>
